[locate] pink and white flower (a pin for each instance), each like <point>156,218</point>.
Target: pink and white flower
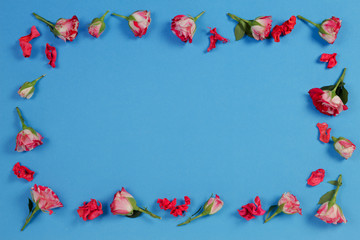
<point>123,203</point>
<point>45,198</point>
<point>139,22</point>
<point>184,27</point>
<point>344,147</point>
<point>97,26</point>
<point>330,29</point>
<point>326,103</point>
<point>213,205</point>
<point>28,88</point>
<point>26,140</point>
<point>332,215</point>
<point>65,29</point>
<point>260,27</point>
<point>290,204</point>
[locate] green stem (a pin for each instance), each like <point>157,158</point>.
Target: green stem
<point>279,210</point>
<point>21,118</point>
<point>340,80</point>
<point>50,24</point>
<point>307,20</point>
<point>103,16</point>
<point>148,212</point>
<point>196,18</point>
<point>30,217</point>
<point>36,80</point>
<point>333,199</point>
<point>118,15</point>
<point>191,219</point>
<point>236,18</point>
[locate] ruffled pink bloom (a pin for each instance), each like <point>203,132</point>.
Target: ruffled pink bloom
<point>90,210</point>
<point>26,140</point>
<point>326,104</point>
<point>121,204</point>
<point>94,29</point>
<point>45,198</point>
<point>213,205</point>
<point>183,27</point>
<point>331,27</point>
<point>67,28</point>
<point>139,22</point>
<point>262,30</point>
<point>291,204</point>
<point>332,215</point>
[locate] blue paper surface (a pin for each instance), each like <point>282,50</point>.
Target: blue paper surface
<point>167,119</point>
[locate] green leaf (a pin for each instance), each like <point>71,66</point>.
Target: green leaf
<point>239,31</point>
<point>326,197</point>
<point>135,214</point>
<point>342,93</point>
<point>30,205</point>
<point>335,183</point>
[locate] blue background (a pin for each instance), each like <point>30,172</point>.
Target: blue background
<point>167,119</point>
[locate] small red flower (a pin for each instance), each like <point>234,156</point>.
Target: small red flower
<point>324,132</point>
<point>171,205</point>
<point>90,210</point>
<point>23,172</point>
<point>51,54</point>
<point>277,32</point>
<point>283,29</point>
<point>250,210</point>
<point>214,38</point>
<point>24,41</point>
<point>329,58</point>
<point>316,177</point>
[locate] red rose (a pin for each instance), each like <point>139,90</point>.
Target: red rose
<point>24,41</point>
<point>316,177</point>
<point>325,103</point>
<point>90,210</point>
<point>51,54</point>
<point>329,58</point>
<point>23,172</point>
<point>250,210</point>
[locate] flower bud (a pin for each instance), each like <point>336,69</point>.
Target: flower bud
<point>213,205</point>
<point>139,22</point>
<point>260,27</point>
<point>332,215</point>
<point>123,203</point>
<point>97,26</point>
<point>344,147</point>
<point>291,204</point>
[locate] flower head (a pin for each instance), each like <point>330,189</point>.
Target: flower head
<point>260,27</point>
<point>290,204</point>
<point>97,26</point>
<point>90,210</point>
<point>332,215</point>
<point>184,27</point>
<point>45,198</point>
<point>344,147</point>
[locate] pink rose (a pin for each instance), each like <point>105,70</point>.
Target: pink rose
<point>139,22</point>
<point>326,103</point>
<point>213,205</point>
<point>65,29</point>
<point>332,215</point>
<point>97,26</point>
<point>330,29</point>
<point>184,27</point>
<point>344,147</point>
<point>291,204</point>
<point>123,203</point>
<point>260,27</point>
<point>28,88</point>
<point>45,198</point>
<point>26,140</point>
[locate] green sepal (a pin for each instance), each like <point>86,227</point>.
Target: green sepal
<point>30,205</point>
<point>131,18</point>
<point>31,129</point>
<point>327,197</point>
<point>340,91</point>
<point>135,214</point>
<point>271,208</point>
<point>133,203</point>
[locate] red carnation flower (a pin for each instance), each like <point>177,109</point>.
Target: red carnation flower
<point>23,172</point>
